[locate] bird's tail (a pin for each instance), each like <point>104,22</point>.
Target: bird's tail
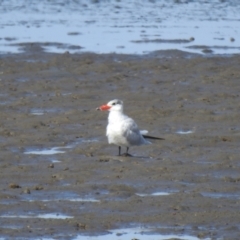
<point>151,137</point>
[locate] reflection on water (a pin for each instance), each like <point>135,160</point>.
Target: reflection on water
<point>57,150</point>
<point>45,216</point>
<point>51,151</point>
<point>53,196</point>
<point>124,26</point>
<point>153,194</point>
<point>36,111</point>
<point>136,233</point>
<point>185,131</point>
<point>221,195</point>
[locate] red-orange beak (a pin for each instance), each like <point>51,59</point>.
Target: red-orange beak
<point>104,107</point>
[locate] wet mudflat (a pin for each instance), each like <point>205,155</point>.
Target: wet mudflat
<point>61,180</point>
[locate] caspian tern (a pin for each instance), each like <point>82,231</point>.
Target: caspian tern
<point>121,129</point>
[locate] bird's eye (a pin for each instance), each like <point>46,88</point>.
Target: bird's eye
<point>114,103</point>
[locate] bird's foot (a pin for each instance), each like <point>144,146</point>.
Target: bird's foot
<point>126,155</point>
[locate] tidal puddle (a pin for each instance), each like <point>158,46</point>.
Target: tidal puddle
<point>36,111</point>
<point>65,199</point>
<point>44,216</point>
<point>221,195</point>
<point>137,233</point>
<point>50,197</point>
<point>185,132</point>
<point>55,161</point>
<point>51,151</point>
<point>22,79</point>
<point>153,194</point>
<point>57,150</point>
<point>10,227</point>
<point>82,140</point>
<point>56,196</point>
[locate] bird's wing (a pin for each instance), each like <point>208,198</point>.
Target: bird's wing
<point>131,132</point>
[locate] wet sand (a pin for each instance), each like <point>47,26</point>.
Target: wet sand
<point>55,158</point>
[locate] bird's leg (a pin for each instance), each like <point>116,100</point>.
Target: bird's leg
<point>127,154</point>
<point>119,150</point>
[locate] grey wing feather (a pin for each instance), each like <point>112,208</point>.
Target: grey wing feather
<point>132,133</point>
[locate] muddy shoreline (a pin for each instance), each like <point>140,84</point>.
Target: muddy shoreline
<point>48,103</point>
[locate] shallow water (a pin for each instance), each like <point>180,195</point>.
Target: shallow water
<point>185,132</point>
<point>136,233</point>
<point>153,194</point>
<point>222,195</point>
<point>121,26</point>
<point>57,196</point>
<point>57,150</point>
<point>44,216</point>
<point>51,151</point>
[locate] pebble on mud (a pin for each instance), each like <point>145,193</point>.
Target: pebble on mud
<point>27,191</point>
<point>14,185</point>
<point>81,226</point>
<point>38,188</point>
